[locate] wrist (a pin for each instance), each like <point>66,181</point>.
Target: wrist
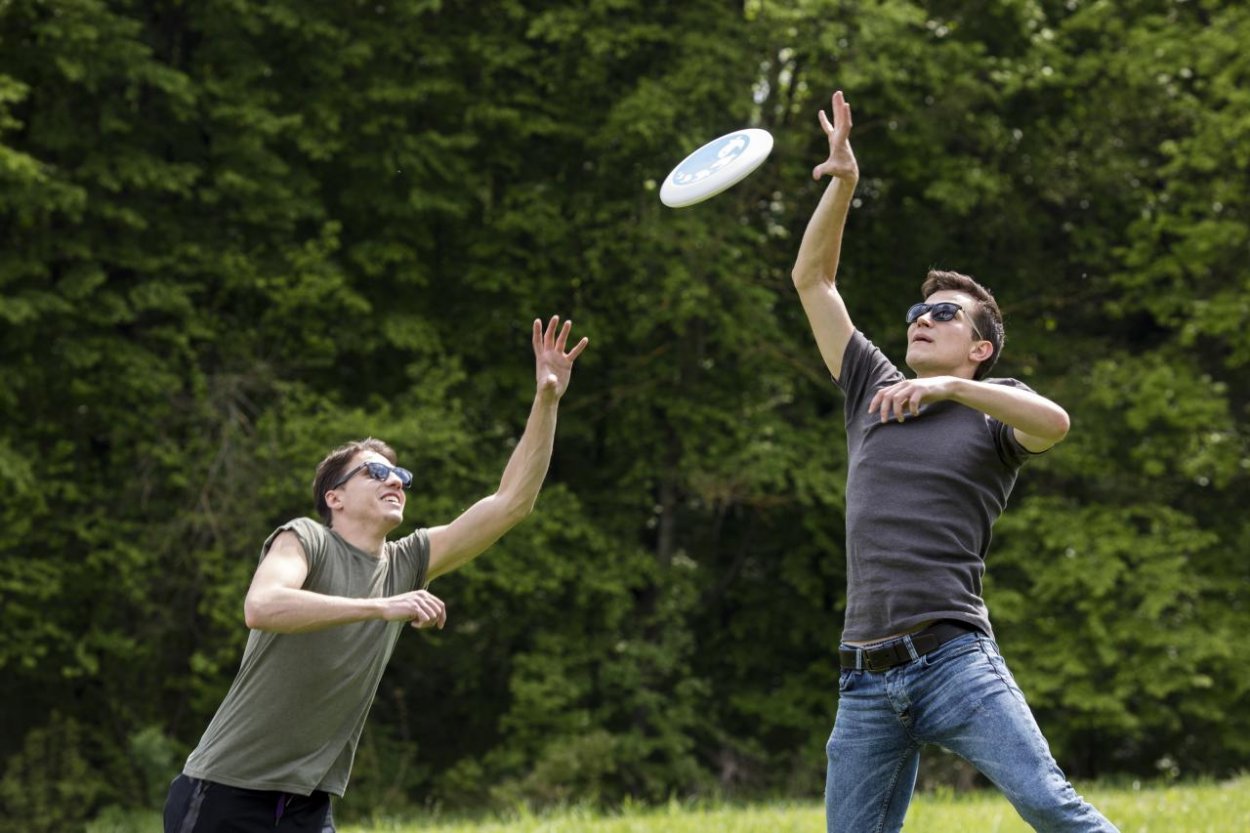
<point>376,609</point>
<point>961,388</point>
<point>547,393</point>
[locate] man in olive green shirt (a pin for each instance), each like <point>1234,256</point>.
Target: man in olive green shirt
<point>326,606</point>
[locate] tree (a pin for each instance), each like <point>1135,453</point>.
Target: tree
<point>236,236</point>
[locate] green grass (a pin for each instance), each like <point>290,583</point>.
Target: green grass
<point>1194,808</point>
<point>1222,807</point>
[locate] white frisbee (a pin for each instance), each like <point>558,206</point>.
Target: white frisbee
<point>720,164</point>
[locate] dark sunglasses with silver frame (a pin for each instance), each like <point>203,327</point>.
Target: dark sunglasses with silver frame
<point>941,311</point>
<point>378,471</point>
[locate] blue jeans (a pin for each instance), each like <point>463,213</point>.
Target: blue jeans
<point>962,697</point>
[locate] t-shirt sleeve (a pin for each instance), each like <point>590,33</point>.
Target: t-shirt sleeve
<point>1010,451</point>
<point>311,535</point>
<point>410,559</point>
<point>865,369</point>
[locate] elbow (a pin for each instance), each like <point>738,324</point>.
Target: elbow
<point>1044,433</point>
<point>1063,423</point>
<point>1056,429</point>
<point>519,510</point>
<point>517,507</point>
<point>805,279</point>
<point>256,614</point>
<point>252,616</point>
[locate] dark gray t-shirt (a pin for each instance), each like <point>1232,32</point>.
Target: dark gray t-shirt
<point>921,498</point>
<point>293,716</point>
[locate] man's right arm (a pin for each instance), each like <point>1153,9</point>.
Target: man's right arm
<point>816,266</point>
<point>277,602</point>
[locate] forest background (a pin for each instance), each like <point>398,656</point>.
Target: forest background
<point>236,234</point>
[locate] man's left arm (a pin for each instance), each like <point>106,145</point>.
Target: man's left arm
<point>1038,422</point>
<point>482,524</point>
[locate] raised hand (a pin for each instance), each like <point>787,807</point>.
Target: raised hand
<point>552,365</point>
<point>841,162</point>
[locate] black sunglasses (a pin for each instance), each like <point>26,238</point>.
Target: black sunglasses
<point>378,471</point>
<point>941,311</point>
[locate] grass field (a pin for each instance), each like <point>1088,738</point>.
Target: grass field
<point>1192,808</point>
<point>1198,808</point>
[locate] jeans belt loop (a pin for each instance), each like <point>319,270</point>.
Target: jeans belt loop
<point>911,647</point>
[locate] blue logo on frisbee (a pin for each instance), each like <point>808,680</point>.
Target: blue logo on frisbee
<point>710,158</point>
<point>717,165</point>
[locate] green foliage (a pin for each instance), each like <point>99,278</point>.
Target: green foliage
<point>235,235</point>
<point>49,784</point>
<point>154,756</point>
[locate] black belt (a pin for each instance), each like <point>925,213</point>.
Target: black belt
<point>893,653</point>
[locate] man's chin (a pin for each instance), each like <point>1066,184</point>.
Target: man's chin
<point>393,518</point>
<point>920,364</point>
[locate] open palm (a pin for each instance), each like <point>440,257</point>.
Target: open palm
<point>841,162</point>
<point>552,365</point>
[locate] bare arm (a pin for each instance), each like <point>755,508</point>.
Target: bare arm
<point>276,600</point>
<point>816,266</point>
<point>483,523</point>
<point>1038,422</point>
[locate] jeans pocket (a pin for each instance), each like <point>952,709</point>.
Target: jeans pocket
<point>848,678</point>
<point>959,647</point>
<point>999,665</point>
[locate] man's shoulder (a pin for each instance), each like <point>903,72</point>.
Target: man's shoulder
<point>865,367</point>
<point>305,523</point>
<point>313,536</point>
<point>304,528</point>
<point>1007,381</point>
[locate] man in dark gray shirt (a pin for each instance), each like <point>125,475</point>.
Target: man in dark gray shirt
<point>932,461</point>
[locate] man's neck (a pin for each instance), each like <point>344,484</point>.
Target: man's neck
<point>964,372</point>
<point>361,536</point>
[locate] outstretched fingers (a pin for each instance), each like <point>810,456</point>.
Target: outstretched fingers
<point>549,337</point>
<point>840,128</point>
<point>825,124</point>
<point>836,125</point>
<point>841,111</point>
<point>555,338</point>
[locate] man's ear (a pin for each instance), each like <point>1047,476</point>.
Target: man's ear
<point>981,350</point>
<point>333,500</point>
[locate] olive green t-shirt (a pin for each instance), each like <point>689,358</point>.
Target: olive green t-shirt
<point>293,716</point>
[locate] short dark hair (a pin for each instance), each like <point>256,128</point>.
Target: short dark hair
<point>335,463</point>
<point>987,317</point>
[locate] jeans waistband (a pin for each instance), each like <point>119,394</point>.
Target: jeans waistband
<point>903,650</point>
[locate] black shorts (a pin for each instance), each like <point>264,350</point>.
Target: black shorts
<point>196,806</point>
